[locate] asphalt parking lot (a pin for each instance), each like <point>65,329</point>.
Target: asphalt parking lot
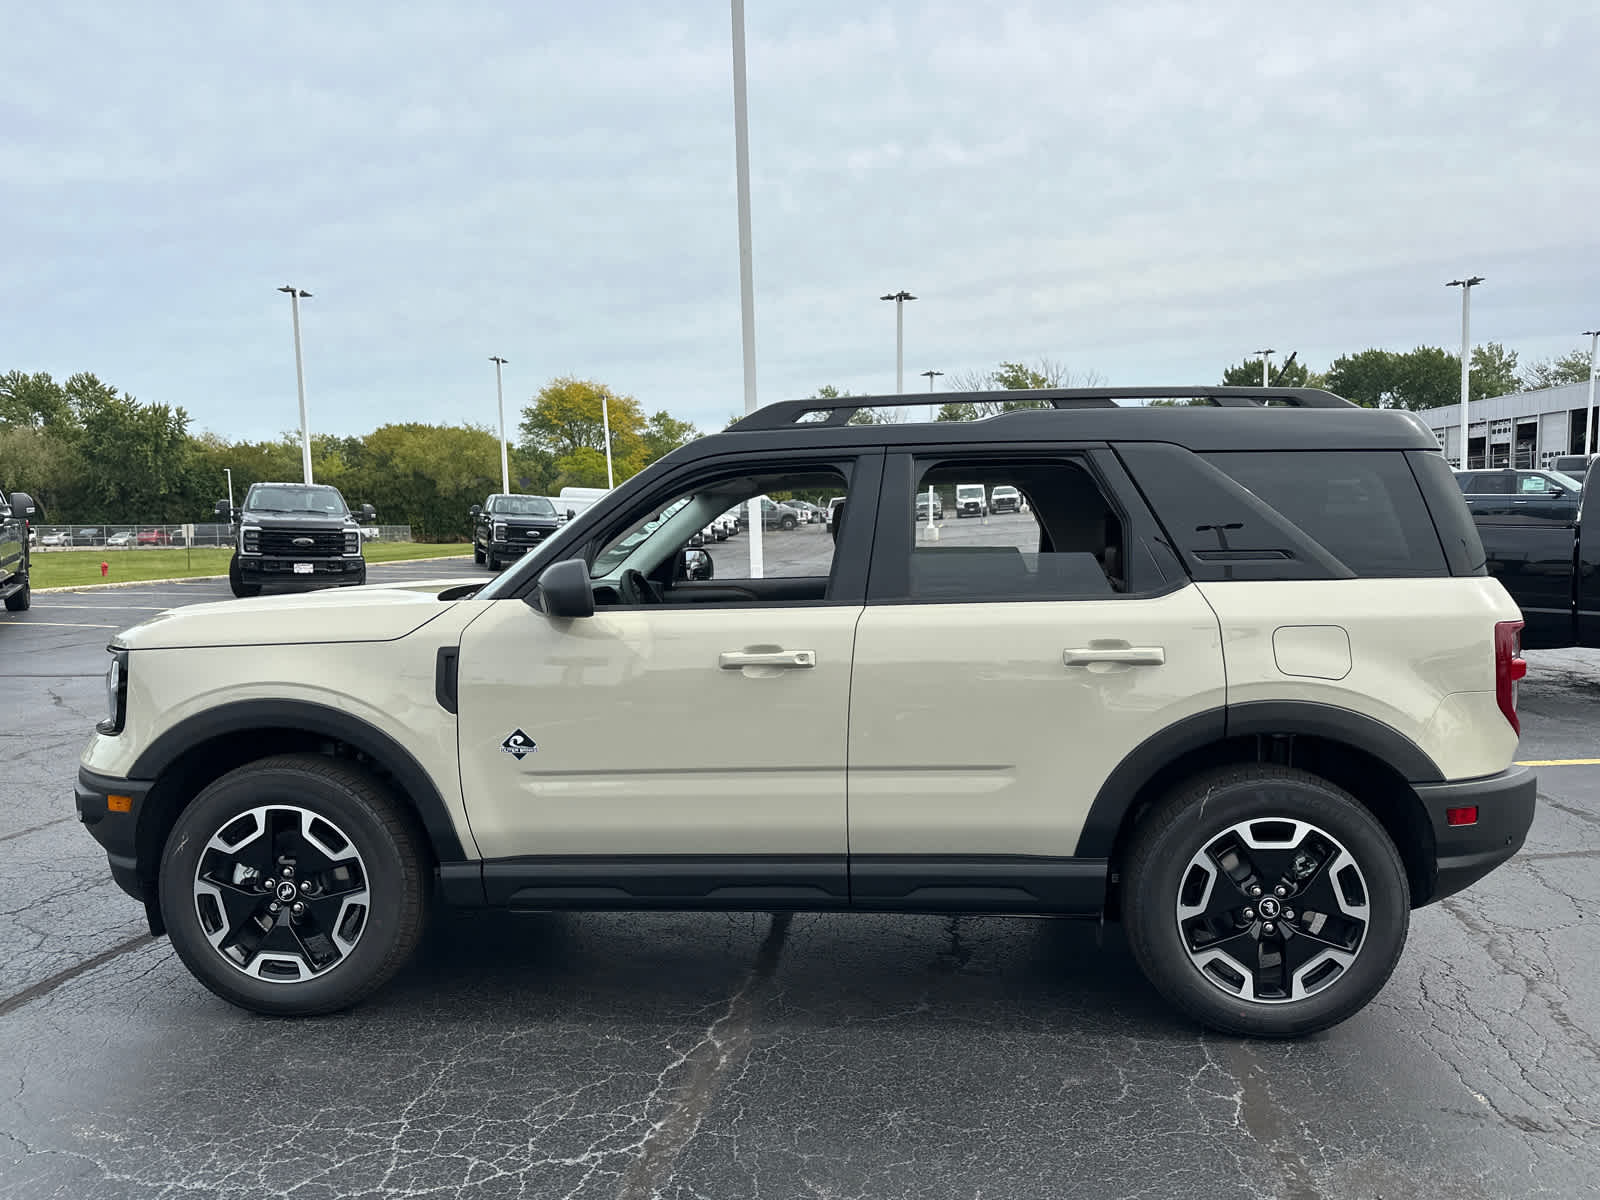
<point>686,1056</point>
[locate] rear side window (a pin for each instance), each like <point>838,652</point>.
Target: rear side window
<point>1363,507</point>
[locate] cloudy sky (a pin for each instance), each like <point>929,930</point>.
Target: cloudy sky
<point>1148,191</point>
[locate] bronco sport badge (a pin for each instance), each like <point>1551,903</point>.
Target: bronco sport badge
<point>518,743</point>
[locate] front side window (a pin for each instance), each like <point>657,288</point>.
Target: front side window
<point>1063,540</point>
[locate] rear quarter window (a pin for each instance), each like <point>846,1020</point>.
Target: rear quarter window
<point>1364,507</point>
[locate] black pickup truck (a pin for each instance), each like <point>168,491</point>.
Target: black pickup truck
<point>15,513</point>
<point>296,534</point>
<point>1532,526</point>
<point>505,527</point>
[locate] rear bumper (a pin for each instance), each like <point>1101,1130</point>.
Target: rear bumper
<point>117,832</point>
<point>1464,854</point>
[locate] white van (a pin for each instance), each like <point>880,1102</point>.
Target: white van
<point>573,500</point>
<point>971,500</point>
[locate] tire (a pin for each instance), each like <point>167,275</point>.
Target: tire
<point>477,554</point>
<point>236,582</point>
<point>1187,958</point>
<point>20,600</point>
<point>787,523</point>
<point>494,563</point>
<point>375,888</point>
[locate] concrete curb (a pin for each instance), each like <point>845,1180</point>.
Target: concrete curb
<point>99,587</point>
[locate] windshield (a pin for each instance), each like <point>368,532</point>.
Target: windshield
<point>970,489</point>
<point>632,538</point>
<point>295,498</point>
<point>522,506</point>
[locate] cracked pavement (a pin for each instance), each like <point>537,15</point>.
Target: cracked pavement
<point>839,1056</point>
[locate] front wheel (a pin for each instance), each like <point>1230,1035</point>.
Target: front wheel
<point>477,554</point>
<point>236,582</point>
<point>1265,901</point>
<point>294,886</point>
<point>20,600</point>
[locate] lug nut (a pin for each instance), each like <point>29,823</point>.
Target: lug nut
<point>1249,914</point>
<point>297,908</point>
<point>271,885</point>
<point>305,885</point>
<point>1288,914</point>
<point>1280,890</point>
<point>288,873</point>
<point>1255,891</point>
<point>275,906</point>
<point>1269,927</point>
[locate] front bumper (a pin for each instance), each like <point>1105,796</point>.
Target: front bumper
<point>259,568</point>
<point>117,832</point>
<point>1464,854</point>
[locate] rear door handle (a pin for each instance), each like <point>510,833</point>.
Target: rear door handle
<point>1133,656</point>
<point>737,660</point>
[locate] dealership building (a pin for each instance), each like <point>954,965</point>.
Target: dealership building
<point>1524,429</point>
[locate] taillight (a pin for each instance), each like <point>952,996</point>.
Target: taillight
<point>1509,666</point>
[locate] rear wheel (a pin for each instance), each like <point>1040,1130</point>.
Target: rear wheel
<point>20,600</point>
<point>236,581</point>
<point>294,886</point>
<point>1265,901</point>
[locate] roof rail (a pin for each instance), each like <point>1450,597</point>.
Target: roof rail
<point>838,411</point>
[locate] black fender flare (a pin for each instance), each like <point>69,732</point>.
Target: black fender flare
<point>1098,836</point>
<point>302,716</point>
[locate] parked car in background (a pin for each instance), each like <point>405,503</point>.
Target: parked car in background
<point>833,508</point>
<point>506,526</point>
<point>971,500</point>
<point>89,536</point>
<point>16,510</point>
<point>778,516</point>
<point>58,538</point>
<point>302,534</point>
<point>152,537</point>
<point>1005,498</point>
<point>120,540</point>
<point>1575,465</point>
<point>922,506</point>
<point>574,500</point>
<point>1508,494</point>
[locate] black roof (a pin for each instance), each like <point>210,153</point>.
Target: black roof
<point>1229,419</point>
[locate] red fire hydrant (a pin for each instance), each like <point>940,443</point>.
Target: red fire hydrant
<point>104,567</point>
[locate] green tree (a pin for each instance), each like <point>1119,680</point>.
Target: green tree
<point>135,456</point>
<point>1572,367</point>
<point>36,400</point>
<point>664,433</point>
<point>567,421</point>
<point>1012,377</point>
<point>1494,372</point>
<point>1289,373</point>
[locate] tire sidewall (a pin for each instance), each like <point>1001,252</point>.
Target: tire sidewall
<point>382,857</point>
<point>1151,906</point>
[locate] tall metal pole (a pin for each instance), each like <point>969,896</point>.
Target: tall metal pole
<point>1466,285</point>
<point>747,302</point>
<point>1266,355</point>
<point>1588,422</point>
<point>899,299</point>
<point>295,296</point>
<point>500,395</point>
<point>605,420</point>
<point>229,473</point>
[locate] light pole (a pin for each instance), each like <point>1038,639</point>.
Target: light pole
<point>1266,356</point>
<point>899,299</point>
<point>930,376</point>
<point>229,474</point>
<point>747,303</point>
<point>1588,424</point>
<point>295,296</point>
<point>605,421</point>
<point>1466,286</point>
<point>500,395</point>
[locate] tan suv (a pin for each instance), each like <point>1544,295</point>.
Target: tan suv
<point>1235,676</point>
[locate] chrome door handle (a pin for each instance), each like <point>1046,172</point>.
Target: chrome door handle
<point>737,660</point>
<point>1133,656</point>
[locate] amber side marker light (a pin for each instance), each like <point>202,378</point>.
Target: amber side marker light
<point>1456,816</point>
<point>125,804</point>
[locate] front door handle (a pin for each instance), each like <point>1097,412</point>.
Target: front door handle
<point>1133,656</point>
<point>737,660</point>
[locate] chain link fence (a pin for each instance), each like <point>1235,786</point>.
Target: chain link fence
<point>155,537</point>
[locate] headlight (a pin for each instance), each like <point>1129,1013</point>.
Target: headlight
<point>250,540</point>
<point>498,534</point>
<point>116,693</point>
<point>352,541</point>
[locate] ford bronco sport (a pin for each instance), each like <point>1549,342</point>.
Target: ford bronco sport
<point>1238,679</point>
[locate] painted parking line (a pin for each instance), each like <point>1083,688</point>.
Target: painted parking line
<point>57,625</point>
<point>1560,762</point>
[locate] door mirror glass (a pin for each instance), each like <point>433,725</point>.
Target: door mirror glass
<point>697,564</point>
<point>223,512</point>
<point>368,513</point>
<point>564,590</point>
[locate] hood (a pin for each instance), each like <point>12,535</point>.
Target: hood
<point>368,614</point>
<point>297,520</point>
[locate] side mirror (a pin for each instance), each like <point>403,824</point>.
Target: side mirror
<point>223,512</point>
<point>474,511</point>
<point>368,514</point>
<point>22,506</point>
<point>565,591</point>
<point>571,515</point>
<point>697,564</point>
